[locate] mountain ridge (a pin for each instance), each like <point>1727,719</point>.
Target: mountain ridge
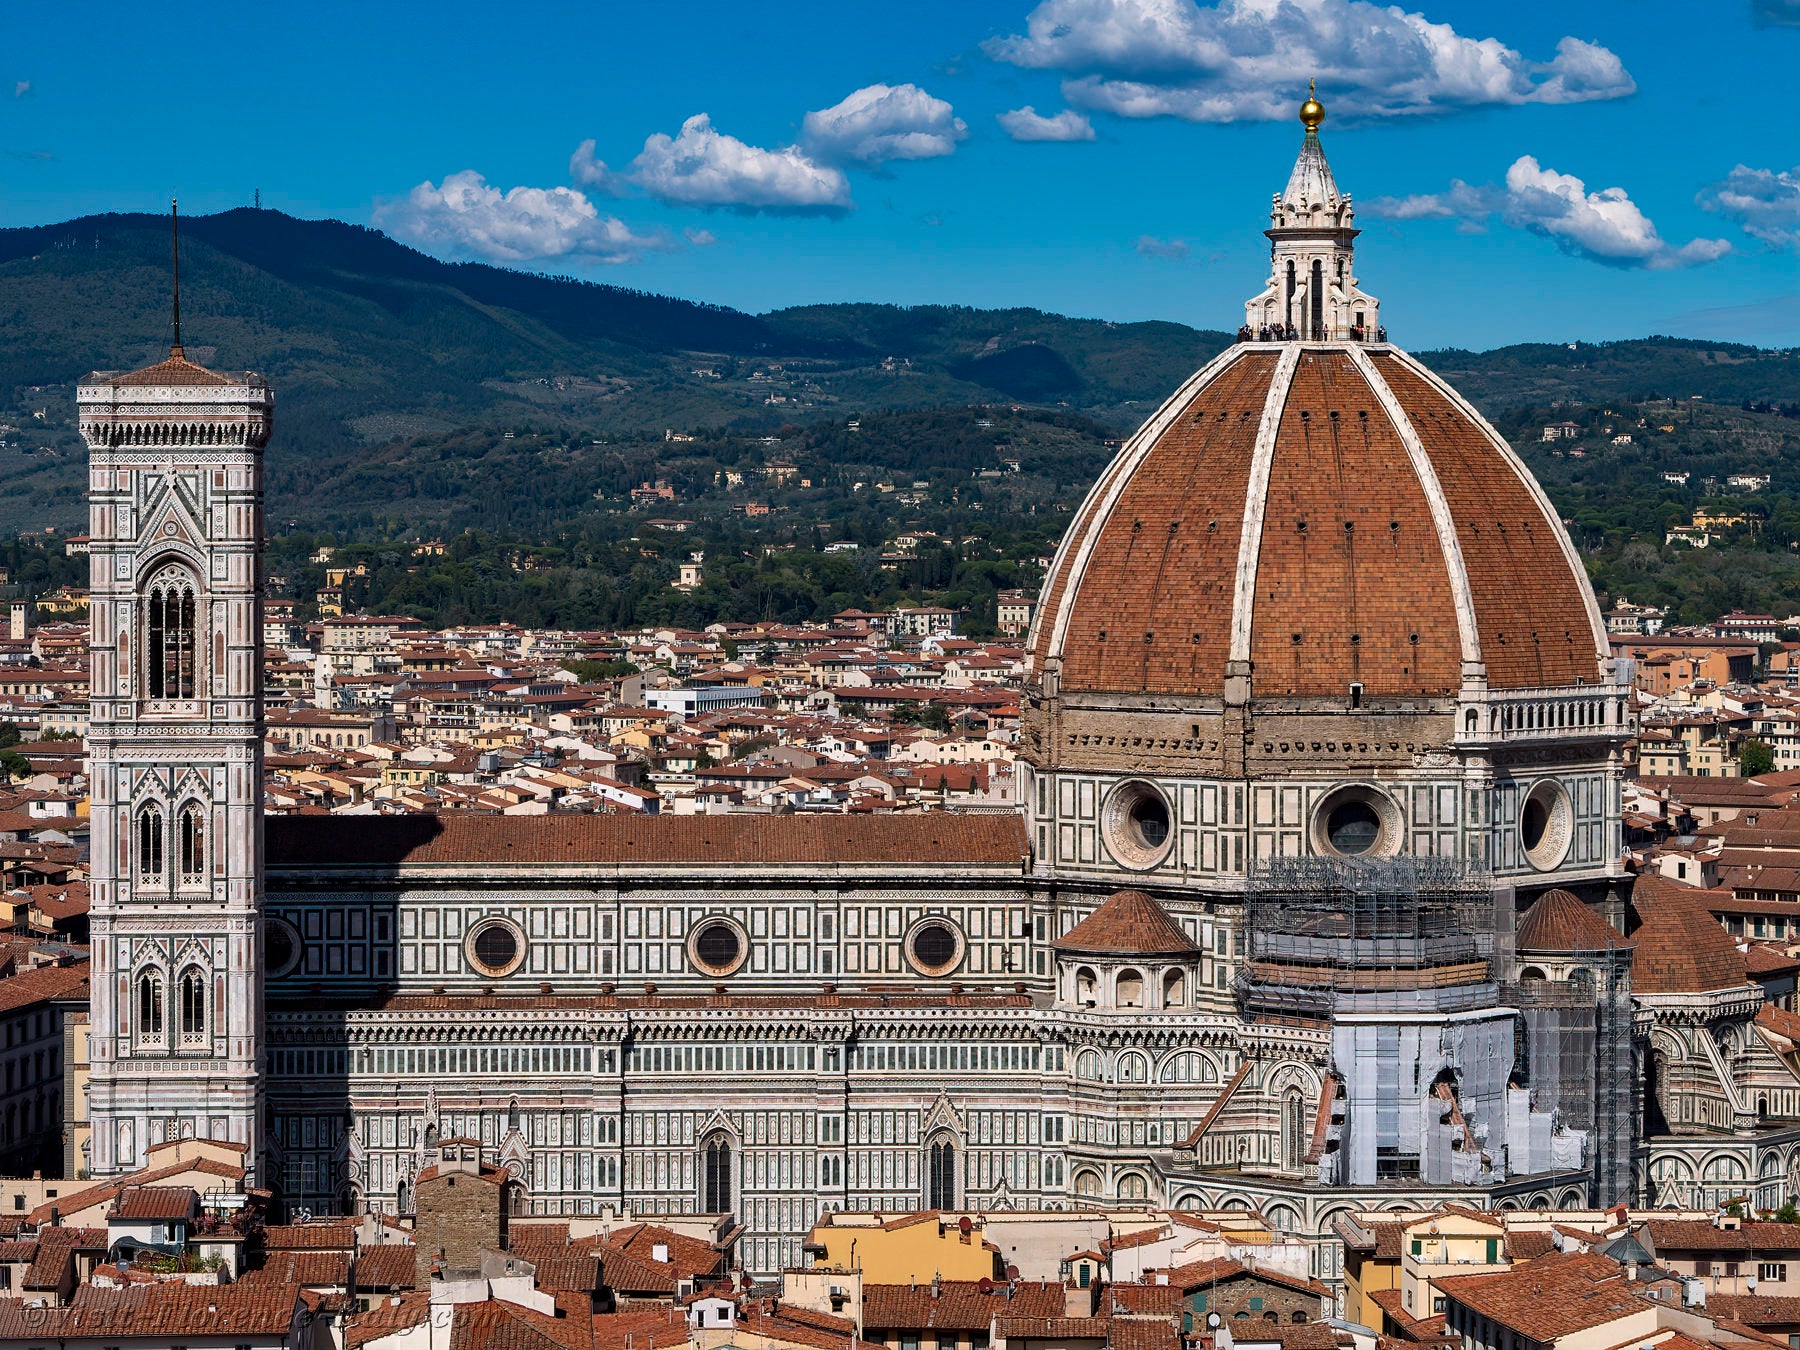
<point>371,342</point>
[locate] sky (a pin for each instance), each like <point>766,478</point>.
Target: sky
<point>1532,171</point>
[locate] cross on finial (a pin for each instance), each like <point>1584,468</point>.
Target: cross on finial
<point>175,269</point>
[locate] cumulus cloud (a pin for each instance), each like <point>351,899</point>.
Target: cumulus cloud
<point>592,173</point>
<point>700,238</point>
<point>703,167</point>
<point>1764,202</point>
<point>1604,226</point>
<point>1775,13</point>
<point>1027,124</point>
<point>1152,247</point>
<point>882,122</point>
<point>22,88</point>
<point>1242,60</point>
<point>466,217</point>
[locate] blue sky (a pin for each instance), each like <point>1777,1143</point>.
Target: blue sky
<point>1523,171</point>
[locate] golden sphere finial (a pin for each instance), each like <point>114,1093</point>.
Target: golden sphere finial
<point>1312,112</point>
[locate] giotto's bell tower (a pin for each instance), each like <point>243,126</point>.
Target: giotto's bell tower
<point>175,743</point>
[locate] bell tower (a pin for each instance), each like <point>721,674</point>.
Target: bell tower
<point>175,511</point>
<point>1312,290</point>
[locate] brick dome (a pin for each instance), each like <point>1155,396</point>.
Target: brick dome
<point>1317,514</point>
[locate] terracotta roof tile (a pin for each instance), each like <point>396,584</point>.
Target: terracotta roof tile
<point>1678,1235</point>
<point>316,1269</point>
<point>392,1265</point>
<point>1558,922</point>
<point>958,1305</point>
<point>1681,949</point>
<point>174,369</point>
<point>933,839</point>
<point>1130,923</point>
<point>1551,1297</point>
<point>154,1202</point>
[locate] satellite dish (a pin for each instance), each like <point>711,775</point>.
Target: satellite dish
<point>965,1226</point>
<point>1012,1272</point>
<point>985,1285</point>
<point>1213,1320</point>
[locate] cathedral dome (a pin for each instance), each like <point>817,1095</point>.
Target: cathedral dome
<point>1331,515</point>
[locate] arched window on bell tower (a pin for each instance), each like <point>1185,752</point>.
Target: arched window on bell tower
<point>193,1006</point>
<point>151,839</point>
<point>151,1030</point>
<point>190,838</point>
<point>169,645</point>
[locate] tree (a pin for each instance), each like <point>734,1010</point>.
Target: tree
<point>14,765</point>
<point>1755,758</point>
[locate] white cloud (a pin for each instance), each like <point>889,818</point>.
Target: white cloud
<point>1152,247</point>
<point>1604,226</point>
<point>1775,13</point>
<point>700,238</point>
<point>22,88</point>
<point>590,172</point>
<point>1243,60</point>
<point>1766,203</point>
<point>703,167</point>
<point>882,122</point>
<point>464,217</point>
<point>1461,201</point>
<point>1027,124</point>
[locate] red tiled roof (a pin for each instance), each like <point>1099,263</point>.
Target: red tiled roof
<point>958,1305</point>
<point>315,1269</point>
<point>386,1317</point>
<point>154,1203</point>
<point>56,1248</point>
<point>1130,923</point>
<point>930,840</point>
<point>173,369</point>
<point>1678,1235</point>
<point>1558,922</point>
<point>498,1325</point>
<point>40,984</point>
<point>392,1265</point>
<point>1550,1297</point>
<point>156,1310</point>
<point>313,1236</point>
<point>1681,949</point>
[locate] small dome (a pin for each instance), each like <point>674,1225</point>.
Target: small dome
<point>1130,923</point>
<point>1328,514</point>
<point>1559,924</point>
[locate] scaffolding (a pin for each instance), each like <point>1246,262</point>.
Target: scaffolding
<point>1320,929</point>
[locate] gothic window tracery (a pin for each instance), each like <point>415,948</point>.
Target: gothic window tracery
<point>940,1190</point>
<point>193,1006</point>
<point>716,1182</point>
<point>151,832</point>
<point>150,1024</point>
<point>191,838</point>
<point>169,636</point>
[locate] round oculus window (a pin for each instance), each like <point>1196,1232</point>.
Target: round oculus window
<point>1546,825</point>
<point>495,947</point>
<point>1353,827</point>
<point>718,946</point>
<point>1356,821</point>
<point>1137,824</point>
<point>281,947</point>
<point>934,947</point>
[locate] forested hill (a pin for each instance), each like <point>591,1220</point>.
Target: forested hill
<point>376,349</point>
